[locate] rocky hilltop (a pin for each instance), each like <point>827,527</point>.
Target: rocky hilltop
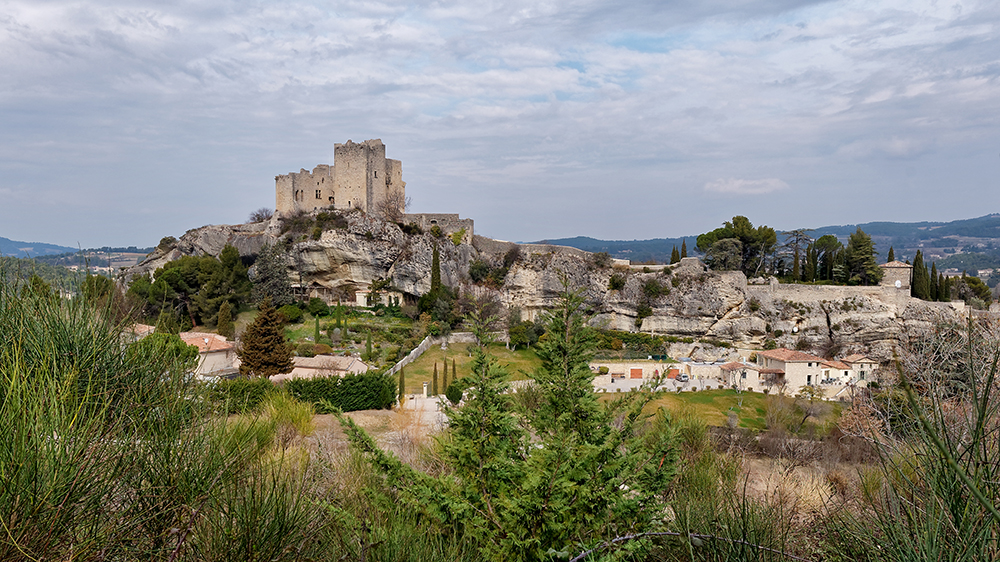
<point>683,300</point>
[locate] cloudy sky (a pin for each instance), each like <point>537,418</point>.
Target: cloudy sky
<point>122,122</point>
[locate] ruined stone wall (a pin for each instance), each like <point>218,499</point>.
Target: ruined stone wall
<point>448,223</point>
<point>350,174</point>
<point>360,178</point>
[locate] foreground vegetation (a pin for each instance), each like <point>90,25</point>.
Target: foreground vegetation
<point>112,453</point>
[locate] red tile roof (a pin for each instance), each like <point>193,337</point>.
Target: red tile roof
<point>735,365</point>
<point>789,355</point>
<point>206,342</point>
<point>857,358</point>
<point>839,365</point>
<point>895,263</point>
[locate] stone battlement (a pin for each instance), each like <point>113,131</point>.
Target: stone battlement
<point>361,177</point>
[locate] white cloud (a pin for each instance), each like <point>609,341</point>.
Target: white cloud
<point>733,186</point>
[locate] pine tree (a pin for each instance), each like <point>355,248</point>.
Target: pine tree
<point>225,324</point>
<point>263,350</point>
<point>434,381</point>
<point>684,249</point>
<point>270,277</point>
<point>892,255</point>
<point>675,256</point>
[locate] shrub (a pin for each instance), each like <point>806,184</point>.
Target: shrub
<point>652,289</point>
<point>456,237</point>
<point>436,231</point>
<point>453,393</point>
<point>754,304</point>
<point>322,349</point>
<point>600,260</point>
<point>317,307</point>
<point>603,370</point>
<point>291,313</point>
<point>616,282</point>
<point>349,393</point>
<point>770,344</point>
<point>306,350</point>
<point>241,395</point>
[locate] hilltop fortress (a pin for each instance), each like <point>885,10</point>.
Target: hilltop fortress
<point>360,178</point>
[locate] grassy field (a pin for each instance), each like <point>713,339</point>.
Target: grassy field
<point>713,406</point>
<point>519,363</point>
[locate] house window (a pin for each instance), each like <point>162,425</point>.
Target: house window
<point>809,379</point>
<point>862,376</point>
<point>376,173</point>
<point>319,194</point>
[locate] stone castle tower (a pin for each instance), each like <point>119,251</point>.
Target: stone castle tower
<point>361,177</point>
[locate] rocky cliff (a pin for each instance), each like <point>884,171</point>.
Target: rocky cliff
<point>683,300</point>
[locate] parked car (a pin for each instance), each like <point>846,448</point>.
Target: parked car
<point>683,377</point>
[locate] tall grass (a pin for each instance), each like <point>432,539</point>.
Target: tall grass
<point>935,496</point>
<point>110,452</point>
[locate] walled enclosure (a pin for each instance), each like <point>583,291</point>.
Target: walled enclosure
<point>361,177</point>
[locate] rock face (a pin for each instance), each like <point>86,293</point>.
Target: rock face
<point>683,300</point>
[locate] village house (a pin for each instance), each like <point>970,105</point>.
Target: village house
<point>216,354</point>
<point>864,368</point>
<point>788,371</point>
<point>741,376</point>
<point>323,366</point>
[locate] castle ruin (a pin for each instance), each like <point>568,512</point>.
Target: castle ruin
<point>361,177</point>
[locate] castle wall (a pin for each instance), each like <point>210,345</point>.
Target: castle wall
<point>448,223</point>
<point>360,178</point>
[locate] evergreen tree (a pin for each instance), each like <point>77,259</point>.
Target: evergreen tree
<point>444,375</point>
<point>565,377</point>
<point>944,288</point>
<point>316,331</point>
<point>935,289</point>
<point>859,257</point>
<point>436,270</point>
<point>920,284</point>
<point>675,256</point>
<point>454,373</point>
<point>684,249</point>
<point>434,381</point>
<point>812,262</point>
<point>270,277</point>
<point>225,325</point>
<point>892,255</point>
<point>368,348</point>
<point>402,386</point>
<point>263,350</point>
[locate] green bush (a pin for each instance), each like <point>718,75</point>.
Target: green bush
<point>348,393</point>
<point>616,282</point>
<point>317,307</point>
<point>453,393</point>
<point>292,313</point>
<point>241,395</point>
<point>306,350</point>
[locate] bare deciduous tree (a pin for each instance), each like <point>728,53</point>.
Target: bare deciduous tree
<point>393,206</point>
<point>260,215</point>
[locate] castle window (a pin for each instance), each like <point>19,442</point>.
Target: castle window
<point>319,194</point>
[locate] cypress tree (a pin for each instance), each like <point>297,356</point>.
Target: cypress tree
<point>368,347</point>
<point>454,373</point>
<point>892,255</point>
<point>920,286</point>
<point>316,331</point>
<point>225,324</point>
<point>684,249</point>
<point>263,351</point>
<point>935,288</point>
<point>945,288</point>
<point>675,256</point>
<point>434,381</point>
<point>402,386</point>
<point>436,270</point>
<point>796,271</point>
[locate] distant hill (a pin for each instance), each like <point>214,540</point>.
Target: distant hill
<point>657,249</point>
<point>18,249</point>
<point>967,243</point>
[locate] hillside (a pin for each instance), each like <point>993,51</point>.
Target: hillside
<point>18,249</point>
<point>969,244</point>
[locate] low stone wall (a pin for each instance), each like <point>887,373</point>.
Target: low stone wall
<point>431,341</point>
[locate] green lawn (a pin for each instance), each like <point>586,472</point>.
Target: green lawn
<point>714,406</point>
<point>520,364</point>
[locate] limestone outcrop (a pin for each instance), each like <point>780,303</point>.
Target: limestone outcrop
<point>683,300</point>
